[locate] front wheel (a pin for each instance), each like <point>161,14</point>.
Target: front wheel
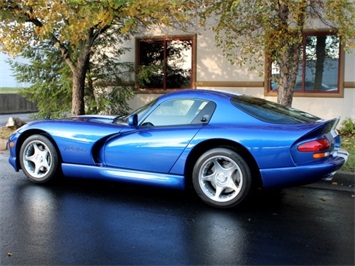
<point>39,159</point>
<point>222,178</point>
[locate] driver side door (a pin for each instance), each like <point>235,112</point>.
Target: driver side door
<point>161,138</point>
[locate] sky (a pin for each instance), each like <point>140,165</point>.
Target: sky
<point>6,76</point>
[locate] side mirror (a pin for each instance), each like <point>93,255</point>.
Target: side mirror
<point>133,120</point>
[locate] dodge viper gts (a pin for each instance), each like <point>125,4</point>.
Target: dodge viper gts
<point>220,143</point>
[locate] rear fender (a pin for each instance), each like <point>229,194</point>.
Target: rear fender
<point>326,130</point>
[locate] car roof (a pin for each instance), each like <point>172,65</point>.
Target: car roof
<point>200,93</point>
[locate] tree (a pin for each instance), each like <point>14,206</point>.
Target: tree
<point>249,30</point>
<point>75,26</point>
<point>108,84</point>
<point>50,80</point>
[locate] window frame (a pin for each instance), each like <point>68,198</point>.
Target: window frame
<point>165,39</point>
<point>341,64</point>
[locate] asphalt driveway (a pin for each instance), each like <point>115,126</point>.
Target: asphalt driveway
<point>82,222</point>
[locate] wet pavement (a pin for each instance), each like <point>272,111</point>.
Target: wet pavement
<point>89,222</point>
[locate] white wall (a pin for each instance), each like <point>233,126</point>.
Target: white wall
<point>213,66</point>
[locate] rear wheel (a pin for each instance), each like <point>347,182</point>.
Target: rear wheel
<point>222,178</point>
<point>39,159</point>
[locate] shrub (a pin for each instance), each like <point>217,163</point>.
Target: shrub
<point>347,127</point>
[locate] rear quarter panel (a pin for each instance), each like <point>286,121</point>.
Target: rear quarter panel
<point>268,145</point>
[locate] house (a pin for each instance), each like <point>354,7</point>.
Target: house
<point>192,59</point>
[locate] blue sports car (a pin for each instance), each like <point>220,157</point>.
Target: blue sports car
<point>223,144</point>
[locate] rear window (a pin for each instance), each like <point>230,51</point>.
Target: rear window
<point>271,112</point>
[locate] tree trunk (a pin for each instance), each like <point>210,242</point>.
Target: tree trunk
<point>289,59</point>
<point>288,63</point>
<point>78,104</point>
<point>79,76</point>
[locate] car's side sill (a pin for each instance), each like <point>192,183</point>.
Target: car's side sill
<point>101,172</point>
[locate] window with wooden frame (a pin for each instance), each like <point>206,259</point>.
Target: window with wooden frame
<point>165,63</point>
<point>321,67</point>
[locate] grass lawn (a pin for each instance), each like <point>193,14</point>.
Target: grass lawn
<point>9,90</point>
<point>348,143</point>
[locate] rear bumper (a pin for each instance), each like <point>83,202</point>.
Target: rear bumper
<point>344,154</point>
<point>301,175</point>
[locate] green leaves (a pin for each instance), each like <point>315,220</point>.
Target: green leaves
<point>248,29</point>
<point>80,29</point>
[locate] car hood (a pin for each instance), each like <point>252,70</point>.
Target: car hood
<point>97,118</point>
<point>96,126</point>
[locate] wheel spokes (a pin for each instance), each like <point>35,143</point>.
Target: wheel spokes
<point>218,193</point>
<point>221,179</point>
<point>37,159</point>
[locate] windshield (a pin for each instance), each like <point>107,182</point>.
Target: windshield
<point>140,112</point>
<point>143,110</point>
<point>271,112</point>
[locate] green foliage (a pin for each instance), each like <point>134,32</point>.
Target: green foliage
<point>347,133</point>
<point>110,81</point>
<point>107,86</point>
<point>146,75</point>
<point>50,78</point>
<point>110,85</point>
<point>74,28</point>
<point>247,31</point>
<point>110,101</point>
<point>348,143</point>
<point>347,127</point>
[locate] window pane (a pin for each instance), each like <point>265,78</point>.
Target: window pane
<point>175,112</point>
<point>173,108</point>
<point>165,63</point>
<point>318,69</point>
<point>275,75</point>
<point>152,64</point>
<point>178,70</point>
<point>322,55</point>
<point>271,112</point>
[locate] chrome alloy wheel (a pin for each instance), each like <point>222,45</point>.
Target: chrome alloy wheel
<point>37,159</point>
<point>220,178</point>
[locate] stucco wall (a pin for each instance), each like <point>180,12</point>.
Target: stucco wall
<point>212,67</point>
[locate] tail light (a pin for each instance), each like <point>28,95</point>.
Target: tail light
<point>320,147</point>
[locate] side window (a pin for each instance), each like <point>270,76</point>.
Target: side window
<point>180,112</point>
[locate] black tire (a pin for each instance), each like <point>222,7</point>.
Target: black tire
<point>222,178</point>
<point>39,159</point>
